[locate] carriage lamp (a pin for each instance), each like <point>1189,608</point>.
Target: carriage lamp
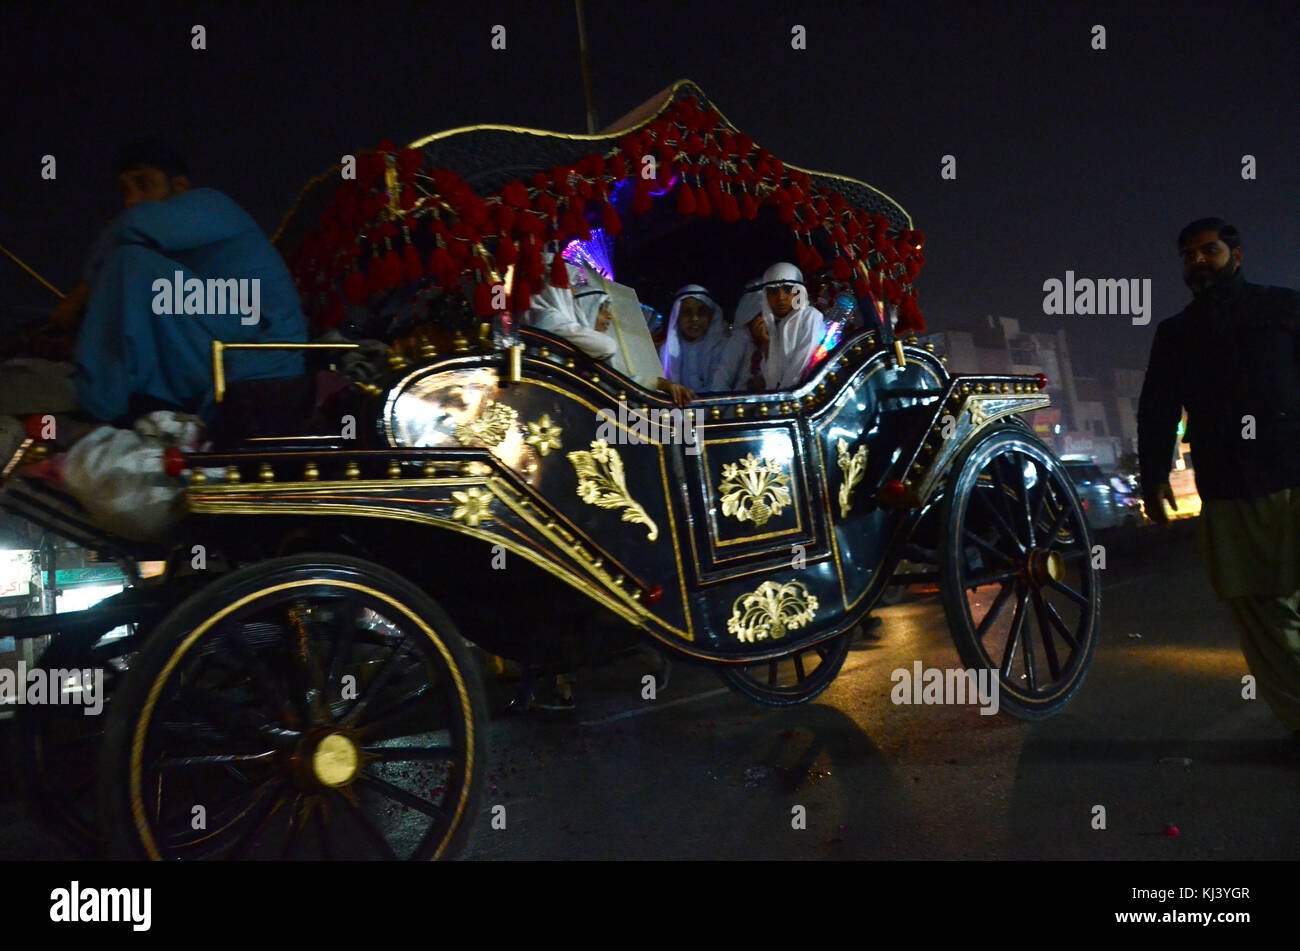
<point>1041,379</point>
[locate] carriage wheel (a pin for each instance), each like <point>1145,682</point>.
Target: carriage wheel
<point>315,707</point>
<point>58,745</point>
<point>1019,588</point>
<point>795,678</point>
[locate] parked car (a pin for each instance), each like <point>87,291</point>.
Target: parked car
<point>1108,498</point>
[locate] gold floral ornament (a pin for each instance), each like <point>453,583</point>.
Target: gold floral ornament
<point>754,490</point>
<point>977,412</point>
<point>491,427</point>
<point>771,612</point>
<point>602,482</point>
<point>471,505</point>
<point>543,435</point>
<point>854,468</point>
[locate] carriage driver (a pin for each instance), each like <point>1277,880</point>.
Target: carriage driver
<point>136,351</point>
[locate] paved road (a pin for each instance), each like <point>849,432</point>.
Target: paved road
<point>1158,736</point>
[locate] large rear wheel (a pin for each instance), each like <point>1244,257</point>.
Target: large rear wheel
<point>316,706</point>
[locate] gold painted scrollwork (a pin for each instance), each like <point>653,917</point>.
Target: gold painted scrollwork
<point>491,427</point>
<point>771,611</point>
<point>854,468</point>
<point>602,482</point>
<point>543,435</point>
<point>754,490</point>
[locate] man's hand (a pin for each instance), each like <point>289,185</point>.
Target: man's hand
<point>681,395</point>
<point>1153,502</point>
<point>67,315</point>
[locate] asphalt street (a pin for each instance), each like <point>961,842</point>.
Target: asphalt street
<point>1159,736</point>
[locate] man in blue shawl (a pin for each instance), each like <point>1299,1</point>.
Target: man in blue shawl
<point>179,268</point>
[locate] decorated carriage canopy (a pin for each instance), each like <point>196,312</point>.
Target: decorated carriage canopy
<point>453,229</point>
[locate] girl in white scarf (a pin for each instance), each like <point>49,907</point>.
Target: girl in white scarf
<point>794,329</point>
<point>583,316</point>
<point>554,310</point>
<point>734,369</point>
<point>693,360</point>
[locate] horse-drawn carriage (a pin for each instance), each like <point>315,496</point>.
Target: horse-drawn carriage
<point>297,683</point>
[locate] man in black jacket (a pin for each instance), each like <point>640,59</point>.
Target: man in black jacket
<point>1231,358</point>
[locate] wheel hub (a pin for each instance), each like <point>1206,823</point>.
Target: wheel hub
<point>1045,567</point>
<point>335,761</point>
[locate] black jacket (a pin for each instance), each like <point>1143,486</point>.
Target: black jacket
<point>1233,352</point>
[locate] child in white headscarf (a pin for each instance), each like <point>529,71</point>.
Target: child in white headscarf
<point>554,310</point>
<point>737,363</point>
<point>697,335</point>
<point>583,317</point>
<point>794,330</point>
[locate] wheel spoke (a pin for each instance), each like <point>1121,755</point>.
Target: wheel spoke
<point>374,835</point>
<point>386,671</point>
<point>323,832</point>
<point>346,617</point>
<point>297,819</point>
<point>989,548</point>
<point>799,674</point>
<point>307,675</point>
<point>1052,538</point>
<point>1045,628</point>
<point>1060,625</point>
<point>257,822</point>
<point>402,754</point>
<point>213,759</point>
<point>401,705</point>
<point>1017,624</point>
<point>1024,497</point>
<point>994,610</point>
<point>271,687</point>
<point>1027,644</point>
<point>1069,592</point>
<point>1006,527</point>
<point>997,577</point>
<point>772,673</point>
<point>398,794</point>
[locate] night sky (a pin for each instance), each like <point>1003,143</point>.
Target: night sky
<point>1068,158</point>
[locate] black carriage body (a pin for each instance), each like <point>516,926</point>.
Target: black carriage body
<point>762,530</point>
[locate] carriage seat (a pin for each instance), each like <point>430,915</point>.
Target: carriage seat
<point>310,405</point>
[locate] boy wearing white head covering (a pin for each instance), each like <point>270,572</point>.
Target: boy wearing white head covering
<point>794,329</point>
<point>583,316</point>
<point>555,311</point>
<point>592,305</point>
<point>697,336</point>
<point>737,363</point>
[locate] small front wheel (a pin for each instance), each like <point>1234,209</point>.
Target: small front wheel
<point>796,678</point>
<point>1019,588</point>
